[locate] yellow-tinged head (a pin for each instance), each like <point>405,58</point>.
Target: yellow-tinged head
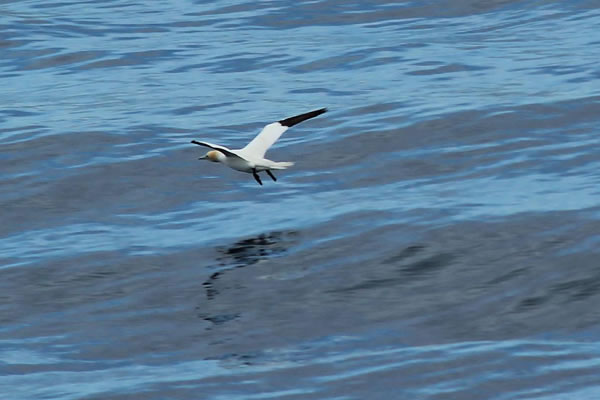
<point>214,156</point>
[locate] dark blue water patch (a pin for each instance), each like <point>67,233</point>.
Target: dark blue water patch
<point>240,62</point>
<point>333,13</point>
<point>138,58</point>
<point>195,23</point>
<point>331,63</point>
<point>187,68</point>
<point>16,113</point>
<point>8,44</point>
<point>22,133</point>
<point>473,288</point>
<point>353,60</point>
<point>579,289</point>
<point>199,108</point>
<point>20,59</point>
<point>559,70</point>
<point>583,80</point>
<point>331,92</point>
<point>495,128</point>
<point>250,63</point>
<point>67,29</point>
<point>63,59</point>
<point>449,68</point>
<point>58,4</point>
<point>233,9</point>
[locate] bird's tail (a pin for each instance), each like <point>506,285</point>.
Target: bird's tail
<point>281,165</point>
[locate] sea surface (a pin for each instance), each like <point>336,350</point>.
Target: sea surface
<point>437,238</point>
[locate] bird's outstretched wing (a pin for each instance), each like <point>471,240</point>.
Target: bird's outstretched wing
<point>270,133</point>
<point>222,149</point>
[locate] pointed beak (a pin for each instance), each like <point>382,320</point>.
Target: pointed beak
<point>204,157</point>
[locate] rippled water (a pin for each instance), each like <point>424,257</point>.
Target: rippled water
<point>437,238</point>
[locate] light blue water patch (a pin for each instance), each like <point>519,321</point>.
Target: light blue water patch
<point>361,363</point>
<point>27,357</point>
<point>508,71</point>
<point>473,199</point>
<point>117,380</point>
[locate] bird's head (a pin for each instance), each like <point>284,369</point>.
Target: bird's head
<point>214,156</point>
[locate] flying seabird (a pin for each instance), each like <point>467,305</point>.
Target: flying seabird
<point>251,159</point>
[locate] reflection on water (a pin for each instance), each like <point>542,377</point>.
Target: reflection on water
<point>249,251</point>
<point>243,253</point>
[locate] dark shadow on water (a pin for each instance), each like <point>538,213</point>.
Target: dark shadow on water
<point>404,254</point>
<point>241,254</point>
<point>579,289</point>
<point>249,251</point>
<point>413,263</point>
<point>562,293</point>
<point>427,266</point>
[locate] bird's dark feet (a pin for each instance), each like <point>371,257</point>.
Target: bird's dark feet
<point>255,175</point>
<point>271,175</point>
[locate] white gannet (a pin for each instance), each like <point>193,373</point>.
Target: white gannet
<point>251,159</point>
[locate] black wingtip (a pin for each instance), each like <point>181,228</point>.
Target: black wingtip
<point>289,122</point>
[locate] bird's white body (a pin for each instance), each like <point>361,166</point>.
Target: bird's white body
<point>246,162</point>
<point>251,159</point>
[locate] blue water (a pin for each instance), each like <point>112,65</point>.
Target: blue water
<point>437,237</point>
